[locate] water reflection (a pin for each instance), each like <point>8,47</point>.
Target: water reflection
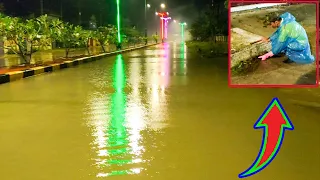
<point>136,112</point>
<point>117,132</point>
<point>121,151</point>
<point>183,59</point>
<point>158,80</point>
<point>180,64</point>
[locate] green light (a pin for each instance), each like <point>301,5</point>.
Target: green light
<point>121,161</point>
<point>182,30</point>
<point>181,52</point>
<point>118,20</point>
<point>182,33</point>
<point>119,76</point>
<point>117,173</point>
<point>182,57</point>
<point>118,139</point>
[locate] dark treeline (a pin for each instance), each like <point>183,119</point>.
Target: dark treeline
<point>212,21</point>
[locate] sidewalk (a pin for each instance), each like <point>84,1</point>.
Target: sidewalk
<point>14,74</point>
<point>11,62</point>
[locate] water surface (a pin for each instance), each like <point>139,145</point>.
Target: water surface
<point>155,113</point>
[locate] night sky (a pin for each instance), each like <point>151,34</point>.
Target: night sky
<point>105,10</point>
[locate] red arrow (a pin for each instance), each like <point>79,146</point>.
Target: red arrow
<point>274,121</point>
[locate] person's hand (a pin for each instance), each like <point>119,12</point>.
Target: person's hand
<point>266,56</point>
<point>265,40</point>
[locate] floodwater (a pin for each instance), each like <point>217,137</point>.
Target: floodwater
<point>156,113</point>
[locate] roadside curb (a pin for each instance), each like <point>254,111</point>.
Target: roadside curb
<point>18,75</point>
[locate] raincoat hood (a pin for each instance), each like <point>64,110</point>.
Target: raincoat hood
<point>287,18</point>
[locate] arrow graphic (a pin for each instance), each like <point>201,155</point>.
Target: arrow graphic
<point>274,121</point>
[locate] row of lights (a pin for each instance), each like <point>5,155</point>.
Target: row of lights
<point>164,6</point>
<point>161,5</point>
<point>175,21</point>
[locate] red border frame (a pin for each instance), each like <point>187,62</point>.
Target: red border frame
<point>273,85</point>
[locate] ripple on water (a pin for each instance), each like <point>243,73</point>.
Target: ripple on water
<point>117,121</point>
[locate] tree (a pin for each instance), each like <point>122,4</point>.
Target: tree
<point>66,33</point>
<point>132,35</point>
<point>200,28</point>
<point>84,38</point>
<point>210,22</point>
<point>23,34</point>
<point>106,35</point>
<point>70,36</point>
<point>32,36</point>
<point>10,29</point>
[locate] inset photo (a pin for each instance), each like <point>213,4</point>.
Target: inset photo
<point>273,44</point>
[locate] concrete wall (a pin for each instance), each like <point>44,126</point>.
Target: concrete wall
<point>250,52</point>
<point>254,6</point>
<point>242,39</point>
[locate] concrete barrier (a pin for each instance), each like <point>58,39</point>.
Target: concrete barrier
<point>255,6</point>
<point>250,51</point>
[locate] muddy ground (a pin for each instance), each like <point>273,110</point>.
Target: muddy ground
<point>274,71</point>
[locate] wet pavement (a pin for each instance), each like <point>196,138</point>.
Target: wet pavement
<point>155,113</point>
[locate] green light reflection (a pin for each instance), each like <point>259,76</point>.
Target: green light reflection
<point>118,141</point>
<point>183,57</point>
<point>182,50</point>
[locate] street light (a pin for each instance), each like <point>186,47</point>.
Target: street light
<point>162,15</point>
<point>182,30</point>
<point>165,19</point>
<point>162,5</point>
<point>145,21</point>
<point>118,23</point>
<point>146,6</point>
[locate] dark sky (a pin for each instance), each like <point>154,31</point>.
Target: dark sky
<point>105,10</point>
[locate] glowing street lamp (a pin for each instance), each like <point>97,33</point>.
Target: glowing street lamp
<point>118,23</point>
<point>182,30</point>
<point>166,26</point>
<point>148,5</point>
<point>162,6</point>
<point>162,16</point>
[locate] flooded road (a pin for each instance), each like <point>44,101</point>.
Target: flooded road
<point>156,113</point>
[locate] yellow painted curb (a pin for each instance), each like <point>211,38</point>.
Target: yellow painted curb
<point>55,67</point>
<point>69,63</point>
<point>15,75</point>
<point>80,60</point>
<point>38,70</point>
